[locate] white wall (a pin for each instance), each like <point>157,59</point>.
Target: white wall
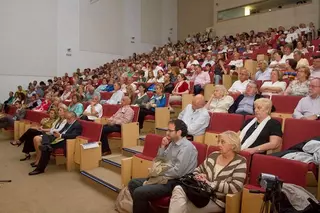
<point>64,24</point>
<point>260,22</point>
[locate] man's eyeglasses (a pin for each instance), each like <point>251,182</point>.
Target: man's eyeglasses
<point>171,130</point>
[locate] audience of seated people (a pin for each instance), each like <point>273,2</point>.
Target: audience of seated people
<point>7,121</point>
<point>195,116</point>
<point>124,115</point>
<point>182,157</point>
<point>219,101</point>
<point>200,78</point>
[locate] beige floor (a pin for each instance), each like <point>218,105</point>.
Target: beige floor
<point>55,191</point>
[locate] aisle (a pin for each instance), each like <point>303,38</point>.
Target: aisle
<point>55,191</point>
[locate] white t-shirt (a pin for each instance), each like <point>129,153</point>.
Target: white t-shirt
<point>291,37</point>
<point>211,62</point>
<point>98,108</point>
<point>236,63</point>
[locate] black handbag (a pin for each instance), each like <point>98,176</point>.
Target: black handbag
<point>198,192</point>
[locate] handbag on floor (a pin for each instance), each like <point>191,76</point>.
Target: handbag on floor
<point>124,201</point>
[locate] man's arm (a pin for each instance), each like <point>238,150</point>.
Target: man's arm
<point>201,122</point>
<point>76,131</point>
<point>126,118</point>
<point>298,111</point>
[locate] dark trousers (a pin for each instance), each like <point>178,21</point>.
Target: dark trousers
<point>27,139</point>
<point>85,118</point>
<point>243,113</point>
<point>197,89</point>
<point>142,114</point>
<point>107,129</point>
<point>6,122</point>
<point>45,154</point>
<point>141,195</point>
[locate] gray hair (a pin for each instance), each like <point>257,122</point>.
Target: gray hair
<point>233,139</point>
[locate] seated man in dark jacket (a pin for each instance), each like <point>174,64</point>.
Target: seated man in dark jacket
<point>58,140</point>
<point>244,104</point>
<point>8,120</point>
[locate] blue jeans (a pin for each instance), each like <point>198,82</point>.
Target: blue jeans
<point>142,194</point>
<point>217,79</point>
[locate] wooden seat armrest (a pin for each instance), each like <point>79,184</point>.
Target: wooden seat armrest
<point>126,171</point>
<point>233,202</point>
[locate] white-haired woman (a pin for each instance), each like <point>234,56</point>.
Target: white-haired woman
<point>220,101</point>
<point>220,166</point>
<point>262,133</point>
<point>274,87</point>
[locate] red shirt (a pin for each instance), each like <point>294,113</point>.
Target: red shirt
<point>183,87</point>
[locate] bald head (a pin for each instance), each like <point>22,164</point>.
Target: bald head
<point>125,101</point>
<point>198,102</point>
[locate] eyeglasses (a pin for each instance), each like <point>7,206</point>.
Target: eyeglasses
<point>171,130</point>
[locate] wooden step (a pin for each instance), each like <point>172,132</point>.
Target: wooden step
<point>112,162</point>
<point>104,177</point>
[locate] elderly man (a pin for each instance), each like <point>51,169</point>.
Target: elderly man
<point>93,111</point>
<point>316,68</point>
<point>264,72</point>
<point>309,107</point>
<point>196,116</point>
<point>244,104</point>
<point>124,115</point>
<point>58,140</point>
<point>181,156</point>
<point>90,93</point>
<point>239,86</point>
<point>116,96</point>
<point>208,60</point>
<point>200,79</point>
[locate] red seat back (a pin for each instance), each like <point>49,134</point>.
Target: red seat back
<point>91,130</point>
<point>221,122</point>
<point>167,99</point>
<point>35,116</point>
<point>285,103</point>
<point>105,95</point>
<point>110,109</point>
<point>275,118</point>
<point>151,145</point>
<point>297,131</point>
<point>289,171</point>
<point>202,151</point>
<point>136,111</point>
<point>85,105</point>
<point>12,110</point>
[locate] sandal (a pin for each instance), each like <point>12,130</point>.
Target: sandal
<point>15,143</point>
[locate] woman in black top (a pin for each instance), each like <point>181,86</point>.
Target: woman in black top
<point>262,133</point>
<point>168,86</point>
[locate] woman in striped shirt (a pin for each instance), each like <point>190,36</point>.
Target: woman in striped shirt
<point>223,171</point>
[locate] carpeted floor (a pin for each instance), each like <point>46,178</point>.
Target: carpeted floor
<point>56,191</point>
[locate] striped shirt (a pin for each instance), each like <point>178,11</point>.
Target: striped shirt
<point>229,180</point>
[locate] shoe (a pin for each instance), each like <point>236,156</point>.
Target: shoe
<point>28,156</point>
<point>36,172</point>
<point>15,143</point>
<point>33,163</point>
<point>106,153</point>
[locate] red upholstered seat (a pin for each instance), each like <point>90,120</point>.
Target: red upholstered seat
<point>151,145</point>
<point>58,152</point>
<point>176,103</point>
<point>85,105</point>
<point>202,151</point>
<point>221,122</point>
<point>287,170</point>
<point>105,95</point>
<point>136,111</point>
<point>114,135</point>
<point>12,110</point>
<point>285,103</point>
<point>297,131</point>
<point>34,116</point>
<point>91,130</point>
<point>150,118</point>
<point>110,109</point>
<point>142,156</point>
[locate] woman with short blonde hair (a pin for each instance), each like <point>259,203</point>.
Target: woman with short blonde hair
<point>226,164</point>
<point>274,87</point>
<point>219,101</point>
<point>262,133</point>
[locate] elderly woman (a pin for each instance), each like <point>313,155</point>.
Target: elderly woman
<point>27,137</point>
<point>275,86</point>
<point>75,105</point>
<point>57,126</point>
<point>220,166</point>
<point>300,86</point>
<point>157,100</point>
<point>264,73</point>
<point>262,133</point>
<point>220,101</point>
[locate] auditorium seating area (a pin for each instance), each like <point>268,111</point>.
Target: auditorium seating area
<point>133,151</point>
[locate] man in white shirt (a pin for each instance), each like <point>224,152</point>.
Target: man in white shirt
<point>239,86</point>
<point>288,54</point>
<point>309,107</point>
<point>93,111</point>
<point>316,68</point>
<point>156,68</point>
<point>196,116</point>
<point>208,60</point>
<point>116,96</point>
<point>237,62</point>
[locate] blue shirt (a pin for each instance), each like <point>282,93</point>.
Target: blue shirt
<point>246,104</point>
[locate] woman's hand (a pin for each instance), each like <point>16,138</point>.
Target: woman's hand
<point>250,150</point>
<point>201,177</point>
